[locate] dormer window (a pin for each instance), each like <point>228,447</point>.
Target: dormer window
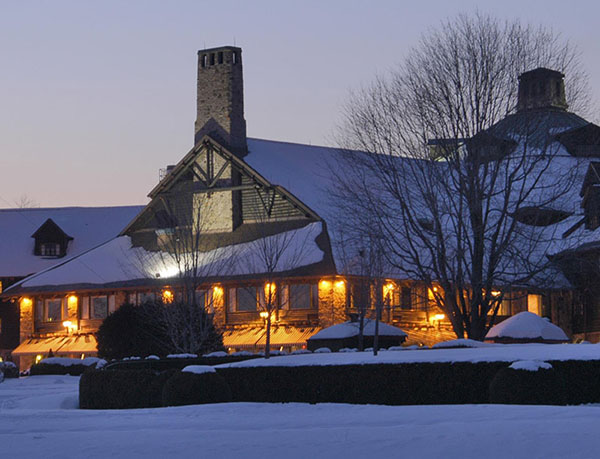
<point>50,249</point>
<point>50,240</point>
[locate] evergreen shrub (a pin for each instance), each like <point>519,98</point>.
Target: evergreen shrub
<point>193,389</point>
<point>56,369</point>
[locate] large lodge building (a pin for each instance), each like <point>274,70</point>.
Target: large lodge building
<point>243,195</point>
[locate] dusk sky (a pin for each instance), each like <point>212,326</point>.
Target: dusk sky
<point>96,97</point>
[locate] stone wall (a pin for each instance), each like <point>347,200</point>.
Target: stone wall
<point>332,302</point>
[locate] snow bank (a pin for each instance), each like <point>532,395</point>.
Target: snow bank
<point>67,362</point>
<point>350,329</point>
<point>199,369</point>
<point>461,342</point>
<point>527,325</point>
<point>530,365</point>
<point>216,354</point>
<point>496,353</point>
<point>182,356</point>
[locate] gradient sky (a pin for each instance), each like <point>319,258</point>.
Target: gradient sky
<point>96,97</point>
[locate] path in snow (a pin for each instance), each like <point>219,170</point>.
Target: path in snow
<point>35,422</point>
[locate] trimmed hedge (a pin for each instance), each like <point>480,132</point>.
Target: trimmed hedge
<point>56,369</point>
<point>175,363</point>
<point>9,369</point>
<point>570,382</point>
<point>194,389</point>
<point>101,389</point>
<point>522,387</point>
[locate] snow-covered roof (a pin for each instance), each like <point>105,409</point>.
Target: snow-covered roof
<point>88,226</point>
<point>117,263</point>
<point>527,325</point>
<point>350,329</point>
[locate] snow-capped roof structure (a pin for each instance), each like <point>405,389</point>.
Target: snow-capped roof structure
<point>351,329</point>
<point>526,326</point>
<point>87,226</point>
<point>118,263</point>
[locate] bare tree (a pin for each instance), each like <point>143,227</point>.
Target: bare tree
<point>274,256</point>
<point>187,257</point>
<point>26,202</point>
<point>460,201</point>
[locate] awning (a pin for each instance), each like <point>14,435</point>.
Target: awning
<point>60,345</point>
<point>280,336</point>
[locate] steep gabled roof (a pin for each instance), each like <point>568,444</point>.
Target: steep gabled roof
<point>49,226</point>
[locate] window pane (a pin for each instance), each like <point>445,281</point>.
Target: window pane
<point>246,299</point>
<point>534,304</point>
<point>99,307</point>
<point>53,308</point>
<point>405,300</point>
<point>300,296</point>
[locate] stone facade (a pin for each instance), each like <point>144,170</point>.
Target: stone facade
<point>332,302</point>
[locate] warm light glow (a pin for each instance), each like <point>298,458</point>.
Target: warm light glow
<point>67,324</point>
<point>264,315</point>
<point>325,283</point>
<point>167,296</point>
<point>438,317</point>
<point>26,302</point>
<point>435,289</point>
<point>82,356</point>
<point>72,299</point>
<point>496,293</point>
<point>38,358</point>
<point>217,291</point>
<point>388,288</point>
<point>270,289</point>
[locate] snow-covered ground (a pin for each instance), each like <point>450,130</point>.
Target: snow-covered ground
<point>38,418</point>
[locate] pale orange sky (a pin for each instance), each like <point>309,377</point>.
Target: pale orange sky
<point>95,97</point>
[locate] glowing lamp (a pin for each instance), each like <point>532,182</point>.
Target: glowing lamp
<point>217,290</point>
<point>264,315</point>
<point>26,302</point>
<point>72,299</point>
<point>167,296</point>
<point>495,293</point>
<point>438,317</point>
<point>339,284</point>
<point>67,324</point>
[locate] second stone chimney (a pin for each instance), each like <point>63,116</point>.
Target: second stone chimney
<point>220,98</point>
<point>541,88</point>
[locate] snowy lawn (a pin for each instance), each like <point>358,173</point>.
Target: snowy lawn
<point>38,419</point>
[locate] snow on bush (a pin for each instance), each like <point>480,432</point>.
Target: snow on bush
<point>278,352</point>
<point>182,356</point>
<point>350,329</point>
<point>242,353</point>
<point>199,369</point>
<point>67,362</point>
<point>412,347</point>
<point>348,349</point>
<point>301,351</point>
<point>461,342</point>
<point>153,357</point>
<point>132,358</point>
<point>101,364</point>
<point>526,325</point>
<point>216,354</point>
<point>323,350</point>
<point>530,365</point>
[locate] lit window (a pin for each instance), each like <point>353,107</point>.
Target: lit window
<point>534,304</point>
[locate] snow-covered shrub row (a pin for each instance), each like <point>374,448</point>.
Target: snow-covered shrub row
<point>9,370</point>
<point>65,366</point>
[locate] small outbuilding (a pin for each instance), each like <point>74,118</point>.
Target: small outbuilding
<point>345,335</point>
<point>526,327</point>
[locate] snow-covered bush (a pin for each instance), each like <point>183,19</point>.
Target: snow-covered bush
<point>242,354</point>
<point>189,388</point>
<point>216,354</point>
<point>322,350</point>
<point>153,357</point>
<point>528,383</point>
<point>9,369</point>
<point>301,351</point>
<point>64,366</point>
<point>348,349</point>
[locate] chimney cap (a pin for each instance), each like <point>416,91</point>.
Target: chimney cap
<point>219,48</point>
<point>541,72</point>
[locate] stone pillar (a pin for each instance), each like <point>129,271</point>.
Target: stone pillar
<point>218,303</point>
<point>25,319</point>
<point>332,302</point>
<point>72,302</point>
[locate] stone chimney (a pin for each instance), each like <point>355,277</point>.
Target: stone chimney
<point>220,98</point>
<point>541,88</point>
